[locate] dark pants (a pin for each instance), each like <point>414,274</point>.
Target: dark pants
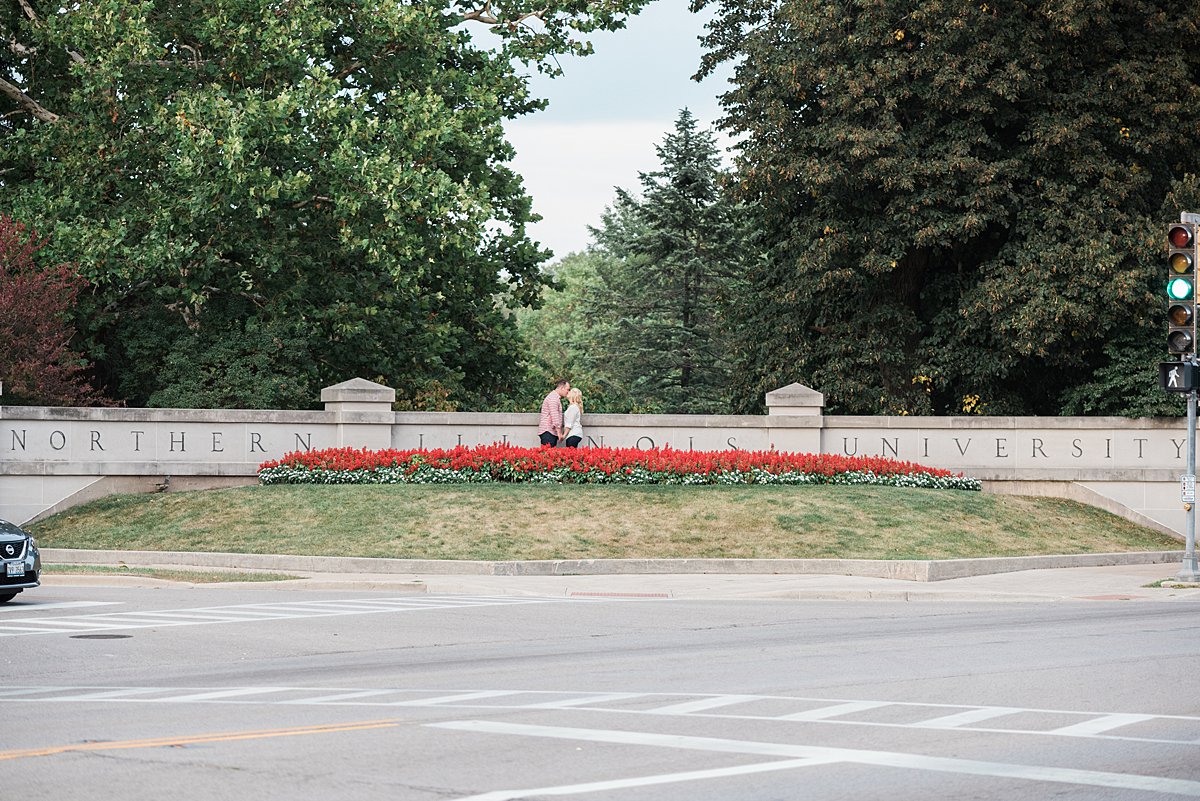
<point>548,439</point>
<point>573,442</point>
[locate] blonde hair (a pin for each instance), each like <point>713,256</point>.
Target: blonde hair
<point>576,397</point>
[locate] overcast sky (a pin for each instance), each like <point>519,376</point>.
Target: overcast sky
<point>606,114</point>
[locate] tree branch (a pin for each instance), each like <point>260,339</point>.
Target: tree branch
<point>28,10</point>
<point>33,17</point>
<point>20,49</point>
<point>317,198</point>
<point>353,67</point>
<point>166,62</point>
<point>484,14</point>
<point>360,63</point>
<point>27,102</point>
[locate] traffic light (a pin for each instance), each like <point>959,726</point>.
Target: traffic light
<point>1181,288</point>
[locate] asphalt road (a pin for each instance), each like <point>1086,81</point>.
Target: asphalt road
<point>223,693</point>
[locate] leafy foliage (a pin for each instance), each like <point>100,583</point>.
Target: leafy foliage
<point>303,190</point>
<point>36,363</point>
<point>564,337</point>
<point>964,202</point>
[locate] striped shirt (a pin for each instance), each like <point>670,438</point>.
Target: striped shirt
<point>552,414</point>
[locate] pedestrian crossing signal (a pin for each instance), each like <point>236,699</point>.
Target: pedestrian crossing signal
<point>1178,376</point>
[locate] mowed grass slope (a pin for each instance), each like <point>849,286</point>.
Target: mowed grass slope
<point>502,522</point>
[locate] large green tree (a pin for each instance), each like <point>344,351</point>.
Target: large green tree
<point>271,195</point>
<point>963,202</point>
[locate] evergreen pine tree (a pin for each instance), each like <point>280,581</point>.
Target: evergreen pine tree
<point>674,255</point>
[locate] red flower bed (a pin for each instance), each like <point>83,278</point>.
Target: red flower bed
<point>502,462</point>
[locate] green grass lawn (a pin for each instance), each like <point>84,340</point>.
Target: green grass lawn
<point>503,521</point>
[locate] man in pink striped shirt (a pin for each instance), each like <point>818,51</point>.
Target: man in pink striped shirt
<point>550,425</point>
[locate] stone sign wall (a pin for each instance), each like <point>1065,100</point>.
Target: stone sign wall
<point>52,458</point>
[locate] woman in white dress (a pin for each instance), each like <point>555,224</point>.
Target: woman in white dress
<point>573,418</point>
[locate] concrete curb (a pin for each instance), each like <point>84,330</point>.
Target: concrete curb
<point>908,570</point>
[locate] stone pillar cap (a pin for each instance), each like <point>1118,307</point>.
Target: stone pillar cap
<point>794,395</point>
<point>358,390</point>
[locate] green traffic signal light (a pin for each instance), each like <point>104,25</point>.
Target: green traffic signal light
<point>1179,289</point>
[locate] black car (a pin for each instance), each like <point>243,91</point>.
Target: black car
<point>20,562</point>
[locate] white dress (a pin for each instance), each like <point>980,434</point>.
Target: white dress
<point>573,422</point>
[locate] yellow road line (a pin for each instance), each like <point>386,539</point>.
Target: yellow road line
<point>160,742</point>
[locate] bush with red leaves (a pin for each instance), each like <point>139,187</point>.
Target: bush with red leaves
<point>37,365</point>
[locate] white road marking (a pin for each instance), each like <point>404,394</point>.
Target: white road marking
<point>963,718</point>
<point>893,759</point>
<point>702,705</point>
<point>217,617</point>
<point>1095,725</point>
<point>68,622</point>
<point>826,712</point>
<point>122,620</point>
<point>340,697</point>
<point>106,695</point>
<point>571,703</point>
<point>456,699</point>
<point>220,694</point>
<point>14,692</point>
<point>1101,724</point>
<point>17,630</point>
<point>645,781</point>
<point>247,613</point>
<point>38,607</point>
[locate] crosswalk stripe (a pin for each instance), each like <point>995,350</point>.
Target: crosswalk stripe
<point>826,712</point>
<point>704,704</point>
<point>214,695</point>
<point>1100,724</point>
<point>106,695</point>
<point>30,630</point>
<point>255,612</point>
<point>339,697</point>
<point>18,691</point>
<point>602,703</point>
<point>965,718</point>
<point>599,698</point>
<point>456,699</point>
<point>880,758</point>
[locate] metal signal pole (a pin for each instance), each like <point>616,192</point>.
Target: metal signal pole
<point>1189,571</point>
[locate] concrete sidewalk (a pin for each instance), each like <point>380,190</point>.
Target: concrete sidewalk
<point>1109,577</point>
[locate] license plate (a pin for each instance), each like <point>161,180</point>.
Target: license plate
<point>15,569</point>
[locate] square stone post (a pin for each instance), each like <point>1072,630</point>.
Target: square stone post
<point>795,418</point>
<point>363,412</point>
